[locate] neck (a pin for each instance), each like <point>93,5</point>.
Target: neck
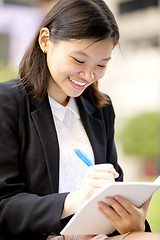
<point>62,102</point>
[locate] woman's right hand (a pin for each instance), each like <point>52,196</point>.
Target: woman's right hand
<point>95,178</point>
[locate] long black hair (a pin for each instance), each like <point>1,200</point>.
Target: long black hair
<point>69,19</point>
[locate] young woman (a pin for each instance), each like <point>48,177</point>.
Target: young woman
<point>53,107</point>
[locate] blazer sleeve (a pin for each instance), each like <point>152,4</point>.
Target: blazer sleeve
<point>111,152</point>
<point>21,211</point>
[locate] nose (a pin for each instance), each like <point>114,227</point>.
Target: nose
<point>87,74</point>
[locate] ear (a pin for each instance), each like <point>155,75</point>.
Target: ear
<point>44,39</point>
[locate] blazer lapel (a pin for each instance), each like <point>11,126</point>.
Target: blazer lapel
<point>93,123</point>
<point>44,123</point>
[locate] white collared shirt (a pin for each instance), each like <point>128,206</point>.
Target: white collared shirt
<point>71,134</point>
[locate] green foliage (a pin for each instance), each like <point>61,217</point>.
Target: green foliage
<point>6,73</point>
<point>153,215</point>
<point>141,135</point>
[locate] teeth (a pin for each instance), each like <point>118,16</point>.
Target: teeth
<point>77,82</point>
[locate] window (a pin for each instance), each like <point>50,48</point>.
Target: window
<point>135,5</point>
<point>21,2</point>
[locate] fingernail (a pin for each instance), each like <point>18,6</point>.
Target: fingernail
<point>116,174</point>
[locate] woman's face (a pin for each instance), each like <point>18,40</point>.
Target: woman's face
<point>74,65</point>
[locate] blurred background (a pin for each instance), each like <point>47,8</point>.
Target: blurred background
<point>132,79</point>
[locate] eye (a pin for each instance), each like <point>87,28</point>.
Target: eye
<point>78,61</point>
<point>101,66</point>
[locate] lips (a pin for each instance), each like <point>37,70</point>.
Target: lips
<point>79,83</point>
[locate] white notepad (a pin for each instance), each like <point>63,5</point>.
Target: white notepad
<point>89,221</point>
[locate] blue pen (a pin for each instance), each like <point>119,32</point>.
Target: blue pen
<point>83,157</point>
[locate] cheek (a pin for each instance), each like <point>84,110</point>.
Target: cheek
<point>60,65</point>
<point>99,74</point>
<point>54,66</point>
<point>50,63</point>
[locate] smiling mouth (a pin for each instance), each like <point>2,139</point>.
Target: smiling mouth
<point>77,82</point>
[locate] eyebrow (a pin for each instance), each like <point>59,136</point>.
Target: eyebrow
<point>84,54</point>
<point>106,59</point>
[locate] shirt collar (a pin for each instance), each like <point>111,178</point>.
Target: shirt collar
<point>59,110</point>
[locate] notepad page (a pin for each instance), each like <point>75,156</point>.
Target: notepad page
<point>88,220</point>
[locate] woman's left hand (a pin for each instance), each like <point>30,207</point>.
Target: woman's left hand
<point>123,215</point>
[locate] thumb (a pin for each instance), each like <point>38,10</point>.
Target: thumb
<point>146,205</point>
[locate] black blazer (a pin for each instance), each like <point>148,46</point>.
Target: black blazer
<point>30,205</point>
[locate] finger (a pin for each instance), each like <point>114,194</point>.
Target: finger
<point>146,204</point>
<point>132,217</point>
<point>105,167</point>
<point>125,205</point>
<point>131,209</point>
<point>122,208</point>
<point>108,211</point>
<point>122,221</point>
<point>102,171</point>
<point>102,176</point>
<point>97,183</point>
